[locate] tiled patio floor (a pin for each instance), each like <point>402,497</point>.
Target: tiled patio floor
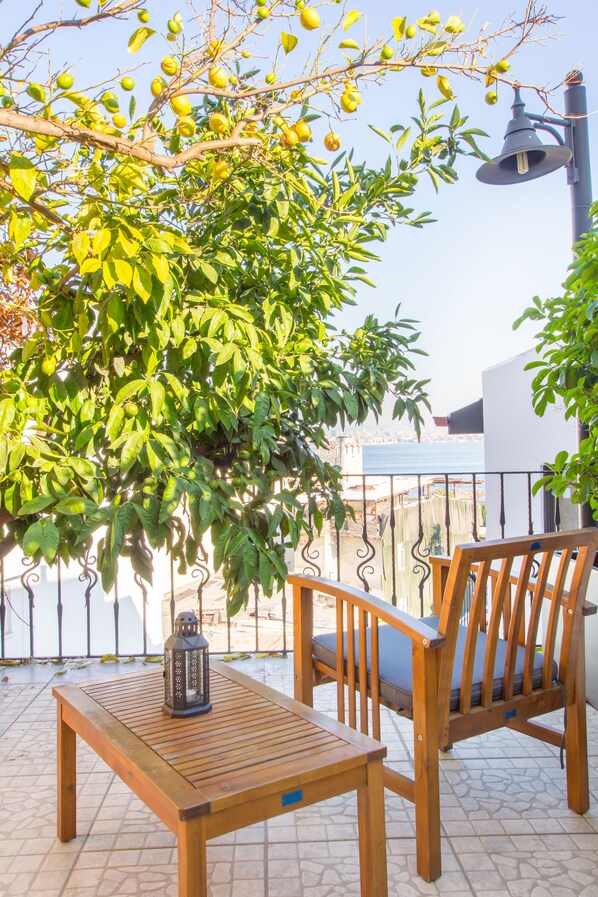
<point>507,831</point>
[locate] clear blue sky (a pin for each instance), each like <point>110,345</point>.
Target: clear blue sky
<point>469,276</point>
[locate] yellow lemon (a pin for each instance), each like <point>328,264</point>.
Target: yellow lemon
<point>143,16</point>
<point>270,78</point>
<point>262,12</point>
<point>289,138</point>
<point>309,18</point>
<point>502,66</point>
<point>119,121</point>
<point>185,126</point>
<point>169,65</point>
<point>303,131</point>
<point>217,77</point>
<point>221,170</point>
<point>332,141</point>
<point>491,97</point>
<point>180,104</point>
<point>218,123</point>
<point>157,86</point>
<point>127,84</point>
<point>214,48</point>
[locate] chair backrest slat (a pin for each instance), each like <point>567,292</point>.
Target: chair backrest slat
<point>340,662</point>
<point>500,587</point>
<point>573,619</point>
<point>476,618</point>
<point>554,616</point>
<point>535,615</point>
<point>516,624</point>
<point>452,604</point>
<point>351,671</point>
<point>362,623</point>
<point>375,677</point>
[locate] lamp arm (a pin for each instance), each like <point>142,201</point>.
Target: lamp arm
<point>543,124</point>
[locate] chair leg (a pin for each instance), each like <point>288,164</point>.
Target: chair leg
<point>576,746</point>
<point>425,751</point>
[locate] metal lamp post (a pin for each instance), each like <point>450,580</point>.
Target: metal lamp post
<point>524,157</point>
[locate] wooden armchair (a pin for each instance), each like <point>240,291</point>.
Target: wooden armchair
<point>458,674</point>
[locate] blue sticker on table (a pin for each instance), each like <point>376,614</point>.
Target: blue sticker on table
<point>293,797</point>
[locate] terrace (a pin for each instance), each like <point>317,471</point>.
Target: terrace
<point>506,829</point>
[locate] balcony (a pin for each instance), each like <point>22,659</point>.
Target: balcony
<point>506,828</point>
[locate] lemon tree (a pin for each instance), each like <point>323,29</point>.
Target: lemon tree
<point>187,250</point>
<point>567,371</point>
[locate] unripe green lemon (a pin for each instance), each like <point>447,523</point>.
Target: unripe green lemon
<point>127,84</point>
<point>386,52</point>
<point>173,26</point>
<point>130,409</point>
<point>143,16</point>
<point>262,12</point>
<point>491,97</point>
<point>502,66</point>
<point>65,80</point>
<point>270,78</point>
<point>411,31</point>
<point>49,366</point>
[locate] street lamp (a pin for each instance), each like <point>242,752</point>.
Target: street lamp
<point>524,157</point>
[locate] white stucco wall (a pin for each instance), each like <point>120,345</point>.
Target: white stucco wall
<point>515,438</point>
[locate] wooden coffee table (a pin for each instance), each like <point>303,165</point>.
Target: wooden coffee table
<point>255,755</point>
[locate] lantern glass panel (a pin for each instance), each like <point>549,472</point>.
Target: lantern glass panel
<point>186,669</point>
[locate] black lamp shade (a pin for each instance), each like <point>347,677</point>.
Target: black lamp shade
<point>186,669</point>
<point>524,157</point>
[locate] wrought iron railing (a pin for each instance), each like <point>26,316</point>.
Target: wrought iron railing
<point>397,521</point>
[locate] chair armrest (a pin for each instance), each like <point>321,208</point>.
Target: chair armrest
<point>588,609</point>
<point>413,628</point>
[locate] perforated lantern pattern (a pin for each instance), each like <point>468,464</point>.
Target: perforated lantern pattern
<point>186,669</point>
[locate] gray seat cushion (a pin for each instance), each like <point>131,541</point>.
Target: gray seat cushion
<point>395,664</point>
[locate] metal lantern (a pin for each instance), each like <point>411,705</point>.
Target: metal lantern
<point>186,670</point>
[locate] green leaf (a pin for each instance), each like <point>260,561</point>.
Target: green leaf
<point>35,505</point>
<point>80,246</point>
<point>138,38</point>
<point>42,536</point>
<point>158,396</point>
<point>76,505</point>
<point>288,41</point>
<point>23,175</point>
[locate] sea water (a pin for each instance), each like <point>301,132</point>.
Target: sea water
<point>424,457</point>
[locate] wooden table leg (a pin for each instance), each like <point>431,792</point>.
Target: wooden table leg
<point>193,873</point>
<point>372,833</point>
<point>66,759</point>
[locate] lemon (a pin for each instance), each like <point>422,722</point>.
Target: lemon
<point>110,101</point>
<point>173,26</point>
<point>185,126</point>
<point>332,141</point>
<point>309,18</point>
<point>180,104</point>
<point>386,52</point>
<point>303,131</point>
<point>270,78</point>
<point>233,79</point>
<point>221,170</point>
<point>246,54</point>
<point>169,65</point>
<point>143,16</point>
<point>290,137</point>
<point>217,77</point>
<point>218,123</point>
<point>65,80</point>
<point>251,127</point>
<point>214,48</point>
<point>127,84</point>
<point>491,97</point>
<point>157,86</point>
<point>411,31</point>
<point>119,120</point>
<point>262,12</point>
<point>502,66</point>
<point>48,366</point>
<point>347,104</point>
<point>299,4</point>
